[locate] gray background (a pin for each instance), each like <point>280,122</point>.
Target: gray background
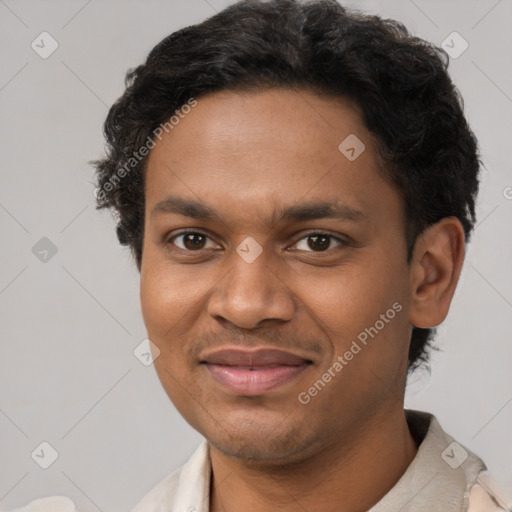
<point>69,325</point>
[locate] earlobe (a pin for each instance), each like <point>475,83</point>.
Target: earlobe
<point>435,269</point>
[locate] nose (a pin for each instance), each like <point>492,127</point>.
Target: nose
<point>251,294</point>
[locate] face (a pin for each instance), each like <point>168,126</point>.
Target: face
<point>274,279</point>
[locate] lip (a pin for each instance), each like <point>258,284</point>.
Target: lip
<point>253,372</point>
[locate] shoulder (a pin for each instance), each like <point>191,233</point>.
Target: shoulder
<point>161,498</point>
<point>49,504</point>
<point>186,488</point>
<point>483,499</point>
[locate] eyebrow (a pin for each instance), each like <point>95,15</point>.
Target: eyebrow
<point>297,212</point>
<point>185,207</point>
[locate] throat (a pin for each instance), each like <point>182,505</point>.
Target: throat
<point>357,473</point>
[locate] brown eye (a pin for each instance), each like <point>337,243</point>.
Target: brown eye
<point>318,242</point>
<point>190,241</point>
<point>194,241</point>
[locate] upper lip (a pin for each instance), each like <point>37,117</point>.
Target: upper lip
<point>253,357</point>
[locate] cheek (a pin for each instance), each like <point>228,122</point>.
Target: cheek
<point>167,293</point>
<point>372,348</point>
<point>172,301</point>
<point>154,300</point>
<point>352,299</point>
<point>166,311</point>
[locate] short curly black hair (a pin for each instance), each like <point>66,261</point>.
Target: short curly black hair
<point>399,82</point>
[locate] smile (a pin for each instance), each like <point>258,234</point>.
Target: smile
<point>254,372</point>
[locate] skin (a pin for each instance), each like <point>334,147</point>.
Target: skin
<point>246,156</point>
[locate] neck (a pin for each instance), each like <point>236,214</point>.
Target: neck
<point>356,470</point>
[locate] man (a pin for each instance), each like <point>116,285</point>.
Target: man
<point>297,183</point>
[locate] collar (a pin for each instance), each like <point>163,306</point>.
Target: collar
<point>441,475</point>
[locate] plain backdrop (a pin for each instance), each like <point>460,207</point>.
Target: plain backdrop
<point>70,316</point>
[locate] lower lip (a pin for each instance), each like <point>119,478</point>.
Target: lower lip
<point>243,381</point>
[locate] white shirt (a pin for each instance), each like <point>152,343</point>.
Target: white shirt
<point>444,476</point>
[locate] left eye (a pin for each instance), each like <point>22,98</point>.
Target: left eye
<point>318,242</point>
<point>192,241</point>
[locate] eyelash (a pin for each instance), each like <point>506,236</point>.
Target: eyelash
<point>342,242</point>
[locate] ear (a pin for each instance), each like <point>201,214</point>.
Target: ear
<point>434,271</point>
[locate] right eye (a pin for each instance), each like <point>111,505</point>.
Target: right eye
<point>191,241</point>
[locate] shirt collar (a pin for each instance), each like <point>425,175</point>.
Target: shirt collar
<point>442,473</point>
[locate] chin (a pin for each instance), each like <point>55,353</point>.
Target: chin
<point>253,441</point>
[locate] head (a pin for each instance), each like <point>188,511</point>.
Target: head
<point>299,176</point>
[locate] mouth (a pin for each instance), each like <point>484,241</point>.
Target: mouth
<point>254,372</point>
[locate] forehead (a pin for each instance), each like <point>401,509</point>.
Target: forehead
<point>271,147</point>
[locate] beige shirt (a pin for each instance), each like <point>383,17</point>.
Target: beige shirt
<point>443,477</point>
